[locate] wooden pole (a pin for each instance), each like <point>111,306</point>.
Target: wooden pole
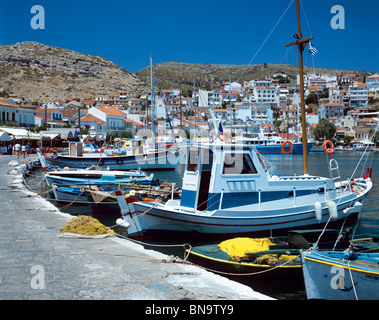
<point>301,43</point>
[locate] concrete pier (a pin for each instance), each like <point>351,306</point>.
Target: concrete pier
<point>35,263</point>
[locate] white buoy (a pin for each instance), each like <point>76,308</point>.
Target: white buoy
<point>318,211</point>
<point>122,223</point>
<point>13,163</point>
<point>332,207</point>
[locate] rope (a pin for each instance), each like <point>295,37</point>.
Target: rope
<point>173,259</point>
<point>352,281</point>
<point>266,39</point>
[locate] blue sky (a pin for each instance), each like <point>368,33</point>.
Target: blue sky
<point>207,31</point>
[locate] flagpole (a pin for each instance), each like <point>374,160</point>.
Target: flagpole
<point>301,43</point>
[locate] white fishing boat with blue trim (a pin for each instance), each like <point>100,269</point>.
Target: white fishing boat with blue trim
<point>232,189</point>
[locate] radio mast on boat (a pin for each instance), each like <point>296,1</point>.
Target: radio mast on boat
<point>301,43</point>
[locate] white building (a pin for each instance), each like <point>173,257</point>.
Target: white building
<point>235,87</point>
<point>358,95</point>
<point>113,117</point>
<point>373,83</point>
<point>210,98</point>
<point>264,94</point>
<point>22,115</point>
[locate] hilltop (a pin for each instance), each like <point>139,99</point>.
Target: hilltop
<point>44,73</point>
<point>210,76</point>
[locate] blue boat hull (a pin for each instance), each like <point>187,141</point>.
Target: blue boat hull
<point>334,275</point>
<point>160,160</point>
<point>297,148</point>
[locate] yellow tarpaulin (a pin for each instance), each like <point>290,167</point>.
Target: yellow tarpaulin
<point>238,247</point>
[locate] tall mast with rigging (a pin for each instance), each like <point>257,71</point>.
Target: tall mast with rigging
<point>301,43</point>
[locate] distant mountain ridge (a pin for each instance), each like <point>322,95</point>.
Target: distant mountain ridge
<point>43,73</point>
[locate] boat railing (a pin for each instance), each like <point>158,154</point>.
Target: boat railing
<point>333,166</point>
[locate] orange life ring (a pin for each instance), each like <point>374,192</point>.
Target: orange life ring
<point>328,144</point>
<point>222,137</point>
<point>287,142</point>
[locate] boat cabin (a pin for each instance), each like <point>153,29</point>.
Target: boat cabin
<point>223,176</point>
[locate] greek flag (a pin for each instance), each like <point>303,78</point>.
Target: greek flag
<point>312,49</point>
<point>220,130</point>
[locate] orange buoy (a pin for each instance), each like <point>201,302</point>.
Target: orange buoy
<point>328,147</point>
<point>287,142</point>
<point>222,137</point>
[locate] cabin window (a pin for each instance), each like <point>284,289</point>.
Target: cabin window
<point>193,159</point>
<point>238,164</point>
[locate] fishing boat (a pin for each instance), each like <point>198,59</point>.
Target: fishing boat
<point>364,146</point>
<point>105,204</point>
<point>248,256</point>
<point>279,255</point>
<point>232,189</point>
<point>76,194</point>
<point>88,177</point>
<point>168,159</point>
<point>333,275</point>
<point>270,143</point>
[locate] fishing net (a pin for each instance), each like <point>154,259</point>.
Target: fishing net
<point>86,226</point>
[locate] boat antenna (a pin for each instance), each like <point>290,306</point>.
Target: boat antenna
<point>301,43</point>
<point>152,87</point>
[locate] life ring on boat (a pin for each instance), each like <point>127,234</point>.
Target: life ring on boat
<point>328,147</point>
<point>101,162</point>
<point>287,142</point>
<point>119,161</point>
<point>222,137</point>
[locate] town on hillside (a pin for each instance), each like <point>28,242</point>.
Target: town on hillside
<point>270,105</point>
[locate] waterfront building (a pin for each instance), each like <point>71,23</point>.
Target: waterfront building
<point>12,113</point>
<point>113,117</point>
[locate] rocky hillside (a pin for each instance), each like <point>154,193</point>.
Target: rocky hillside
<point>45,73</point>
<point>209,76</point>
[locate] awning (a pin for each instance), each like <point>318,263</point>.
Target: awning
<point>15,132</point>
<point>4,136</point>
<point>50,135</point>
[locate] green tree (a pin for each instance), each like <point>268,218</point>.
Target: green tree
<point>324,130</point>
<point>311,98</point>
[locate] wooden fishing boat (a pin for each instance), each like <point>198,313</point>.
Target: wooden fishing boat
<point>274,256</point>
<point>105,204</point>
<point>333,275</point>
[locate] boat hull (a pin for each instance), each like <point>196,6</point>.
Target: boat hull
<point>158,218</point>
<point>297,148</point>
<point>160,160</point>
<point>106,208</point>
<point>212,257</point>
<point>332,276</point>
<point>70,194</point>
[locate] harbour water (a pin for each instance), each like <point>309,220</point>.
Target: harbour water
<point>286,164</point>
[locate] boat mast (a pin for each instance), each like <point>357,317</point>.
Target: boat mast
<point>301,43</point>
<point>152,86</point>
